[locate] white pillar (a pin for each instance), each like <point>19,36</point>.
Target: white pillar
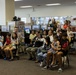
<point>7,11</point>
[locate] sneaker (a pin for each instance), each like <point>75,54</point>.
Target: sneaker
<point>60,70</point>
<point>54,65</point>
<point>5,58</point>
<point>30,58</point>
<point>65,63</point>
<point>36,61</point>
<point>45,67</point>
<point>41,64</point>
<point>11,59</point>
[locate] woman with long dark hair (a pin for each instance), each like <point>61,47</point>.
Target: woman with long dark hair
<point>14,42</point>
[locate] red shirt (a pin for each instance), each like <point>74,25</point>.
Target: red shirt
<point>8,41</point>
<point>64,43</point>
<point>65,26</point>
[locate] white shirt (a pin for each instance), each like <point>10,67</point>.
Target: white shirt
<point>1,38</point>
<point>51,38</point>
<point>1,41</point>
<point>13,41</point>
<point>1,44</point>
<point>69,33</point>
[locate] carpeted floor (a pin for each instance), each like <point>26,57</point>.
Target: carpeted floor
<point>25,67</point>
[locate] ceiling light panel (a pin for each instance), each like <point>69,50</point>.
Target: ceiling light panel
<point>54,4</point>
<point>25,6</point>
<point>18,0</point>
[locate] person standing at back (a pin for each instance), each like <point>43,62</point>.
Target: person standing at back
<point>53,25</point>
<point>69,34</point>
<point>65,26</point>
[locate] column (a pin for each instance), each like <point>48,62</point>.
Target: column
<point>7,11</point>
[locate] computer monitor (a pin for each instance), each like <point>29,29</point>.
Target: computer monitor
<point>49,28</point>
<point>5,28</point>
<point>43,27</point>
<point>35,27</point>
<point>27,30</point>
<point>28,26</point>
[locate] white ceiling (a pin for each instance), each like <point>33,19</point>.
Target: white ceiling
<point>35,3</point>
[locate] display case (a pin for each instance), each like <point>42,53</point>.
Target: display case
<point>11,25</point>
<point>5,28</point>
<point>28,26</point>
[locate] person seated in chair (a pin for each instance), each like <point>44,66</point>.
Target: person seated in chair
<point>32,35</point>
<point>63,51</point>
<point>1,49</point>
<point>32,50</point>
<point>1,41</point>
<point>1,44</point>
<point>12,45</point>
<point>44,34</point>
<point>43,50</point>
<point>7,45</point>
<point>14,42</point>
<point>55,47</point>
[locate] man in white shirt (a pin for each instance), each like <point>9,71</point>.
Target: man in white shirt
<point>50,34</point>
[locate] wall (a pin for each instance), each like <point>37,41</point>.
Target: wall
<point>46,11</point>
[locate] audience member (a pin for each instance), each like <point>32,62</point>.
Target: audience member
<point>44,34</point>
<point>50,34</point>
<point>14,43</point>
<point>65,26</point>
<point>69,34</point>
<point>55,46</point>
<point>7,45</point>
<point>1,45</point>
<point>63,51</point>
<point>32,50</point>
<point>32,35</point>
<point>41,54</point>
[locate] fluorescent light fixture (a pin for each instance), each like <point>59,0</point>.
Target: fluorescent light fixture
<point>53,4</point>
<point>25,6</point>
<point>17,0</point>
